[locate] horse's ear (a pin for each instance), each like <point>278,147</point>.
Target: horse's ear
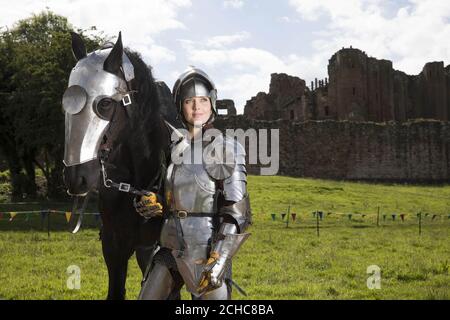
<point>78,48</point>
<point>113,62</point>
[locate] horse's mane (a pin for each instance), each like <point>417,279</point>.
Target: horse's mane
<point>146,120</point>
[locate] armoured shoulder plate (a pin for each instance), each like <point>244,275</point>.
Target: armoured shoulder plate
<point>226,162</point>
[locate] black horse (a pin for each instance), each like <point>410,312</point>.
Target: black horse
<point>134,148</point>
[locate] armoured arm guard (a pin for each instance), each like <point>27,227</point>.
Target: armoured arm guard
<point>235,217</point>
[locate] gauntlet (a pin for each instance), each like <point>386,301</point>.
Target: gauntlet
<point>149,205</point>
<point>227,245</point>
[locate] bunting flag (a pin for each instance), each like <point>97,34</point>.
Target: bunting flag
<point>68,215</point>
<point>43,214</point>
<point>283,215</point>
<point>314,214</point>
<point>363,215</point>
<point>426,214</point>
<point>329,213</point>
<point>384,217</point>
<point>12,214</point>
<point>320,215</point>
<point>434,216</point>
<point>393,217</point>
<point>294,216</point>
<point>350,217</point>
<point>273,216</point>
<point>402,216</point>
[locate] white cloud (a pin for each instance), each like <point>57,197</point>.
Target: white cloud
<point>226,40</point>
<point>287,19</point>
<point>139,21</point>
<point>236,4</point>
<point>240,73</point>
<point>410,36</point>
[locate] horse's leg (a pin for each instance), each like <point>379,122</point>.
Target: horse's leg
<point>116,256</point>
<point>143,254</point>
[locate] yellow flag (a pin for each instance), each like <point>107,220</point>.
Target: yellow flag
<point>68,215</point>
<point>12,214</point>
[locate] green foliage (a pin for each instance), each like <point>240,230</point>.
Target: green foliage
<point>5,176</point>
<point>276,262</point>
<point>35,63</point>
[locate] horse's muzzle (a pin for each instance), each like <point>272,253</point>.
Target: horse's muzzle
<point>81,178</point>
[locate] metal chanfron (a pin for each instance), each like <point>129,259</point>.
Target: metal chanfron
<point>87,83</point>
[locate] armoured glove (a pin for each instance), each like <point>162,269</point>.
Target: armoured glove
<point>209,279</point>
<point>225,246</point>
<point>149,205</point>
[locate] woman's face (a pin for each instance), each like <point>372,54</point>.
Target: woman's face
<point>197,110</point>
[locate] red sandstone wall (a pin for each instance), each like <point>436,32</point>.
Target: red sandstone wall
<point>414,151</point>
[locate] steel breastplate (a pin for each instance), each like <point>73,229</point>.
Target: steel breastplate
<point>189,187</point>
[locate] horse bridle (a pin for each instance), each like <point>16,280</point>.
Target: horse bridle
<point>104,150</point>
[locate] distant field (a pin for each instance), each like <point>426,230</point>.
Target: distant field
<point>276,262</point>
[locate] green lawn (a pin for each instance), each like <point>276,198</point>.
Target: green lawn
<point>276,262</point>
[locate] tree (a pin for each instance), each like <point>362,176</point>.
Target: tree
<point>36,60</point>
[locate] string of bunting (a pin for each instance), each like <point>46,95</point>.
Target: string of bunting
<point>43,213</point>
<point>350,216</point>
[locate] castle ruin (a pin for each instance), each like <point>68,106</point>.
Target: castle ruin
<point>359,88</point>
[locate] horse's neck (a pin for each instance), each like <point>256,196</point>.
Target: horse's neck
<point>139,169</point>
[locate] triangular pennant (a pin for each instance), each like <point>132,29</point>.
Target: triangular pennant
<point>294,216</point>
<point>43,214</point>
<point>12,214</point>
<point>283,215</point>
<point>68,215</point>
<point>393,216</point>
<point>434,216</point>
<point>320,215</point>
<point>384,217</point>
<point>350,217</point>
<point>329,213</point>
<point>402,216</point>
<point>273,215</point>
<point>363,215</point>
<point>314,214</point>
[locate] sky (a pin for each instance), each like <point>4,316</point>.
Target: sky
<point>240,43</point>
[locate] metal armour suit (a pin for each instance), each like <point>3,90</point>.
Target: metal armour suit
<point>207,209</point>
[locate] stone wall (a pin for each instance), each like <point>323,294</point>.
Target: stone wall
<point>285,100</point>
<point>226,107</point>
<point>416,151</point>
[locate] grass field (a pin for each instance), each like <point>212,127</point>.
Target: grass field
<point>276,262</point>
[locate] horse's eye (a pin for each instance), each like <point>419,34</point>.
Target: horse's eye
<point>105,103</point>
<point>104,108</point>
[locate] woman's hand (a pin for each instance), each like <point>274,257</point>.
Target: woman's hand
<point>209,281</point>
<point>149,205</point>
